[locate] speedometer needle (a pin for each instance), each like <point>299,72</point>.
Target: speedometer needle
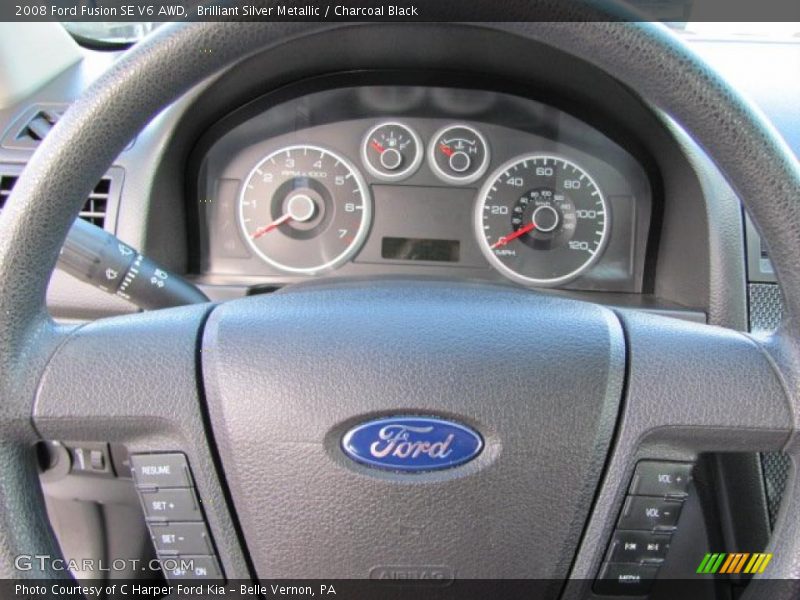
<point>274,225</point>
<point>512,236</point>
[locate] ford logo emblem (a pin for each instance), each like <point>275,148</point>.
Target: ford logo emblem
<point>412,444</point>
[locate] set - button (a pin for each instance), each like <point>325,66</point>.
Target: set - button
<point>181,538</point>
<point>174,516</point>
<point>648,517</point>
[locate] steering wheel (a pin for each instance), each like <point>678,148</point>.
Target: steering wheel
<point>258,392</point>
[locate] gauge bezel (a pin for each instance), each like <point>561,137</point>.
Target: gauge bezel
<point>500,266</point>
<point>400,175</point>
<point>446,177</point>
<point>358,239</point>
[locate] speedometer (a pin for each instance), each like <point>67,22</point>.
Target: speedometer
<point>304,209</point>
<point>541,220</point>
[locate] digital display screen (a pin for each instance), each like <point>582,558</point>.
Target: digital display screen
<point>397,248</point>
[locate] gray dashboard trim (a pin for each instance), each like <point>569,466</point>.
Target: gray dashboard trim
<point>153,198</point>
<point>726,285</point>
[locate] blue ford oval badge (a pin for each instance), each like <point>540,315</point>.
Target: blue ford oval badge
<point>411,444</point>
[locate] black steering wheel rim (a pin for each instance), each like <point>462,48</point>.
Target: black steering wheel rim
<point>47,198</point>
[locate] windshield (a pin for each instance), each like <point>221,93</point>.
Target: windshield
<point>127,33</point>
<point>734,30</point>
<point>110,33</point>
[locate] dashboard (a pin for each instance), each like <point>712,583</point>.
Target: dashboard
<point>418,180</point>
<point>675,239</point>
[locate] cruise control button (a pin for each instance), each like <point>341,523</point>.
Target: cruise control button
<point>643,512</point>
<point>625,580</point>
<point>171,505</point>
<point>160,470</point>
<point>639,546</point>
<point>180,538</point>
<point>191,567</point>
<point>656,478</point>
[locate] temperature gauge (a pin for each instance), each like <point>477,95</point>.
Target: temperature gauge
<point>459,154</point>
<point>391,151</point>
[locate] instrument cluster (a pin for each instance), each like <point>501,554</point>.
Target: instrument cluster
<point>546,202</point>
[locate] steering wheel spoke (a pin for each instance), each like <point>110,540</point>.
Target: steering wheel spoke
<point>133,381</point>
<point>122,377</point>
<point>690,389</point>
<point>701,387</point>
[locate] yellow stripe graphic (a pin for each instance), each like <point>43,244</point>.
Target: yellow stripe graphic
<point>751,565</point>
<point>767,558</point>
<point>758,563</point>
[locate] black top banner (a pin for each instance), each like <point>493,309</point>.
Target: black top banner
<point>395,10</point>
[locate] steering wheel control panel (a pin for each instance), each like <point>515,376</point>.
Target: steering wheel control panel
<point>458,183</point>
<point>174,516</point>
<point>649,516</point>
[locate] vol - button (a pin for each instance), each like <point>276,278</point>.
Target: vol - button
<point>644,513</point>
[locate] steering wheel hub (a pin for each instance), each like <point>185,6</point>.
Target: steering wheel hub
<point>292,375</point>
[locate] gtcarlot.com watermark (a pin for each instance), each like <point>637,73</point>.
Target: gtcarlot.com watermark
<point>45,562</point>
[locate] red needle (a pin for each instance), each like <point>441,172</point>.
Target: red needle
<point>447,150</point>
<point>512,236</point>
<point>377,146</point>
<point>275,224</point>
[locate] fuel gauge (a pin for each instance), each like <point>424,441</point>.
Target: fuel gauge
<point>459,154</point>
<point>391,151</point>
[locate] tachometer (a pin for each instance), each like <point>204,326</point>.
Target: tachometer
<point>541,220</point>
<point>305,209</point>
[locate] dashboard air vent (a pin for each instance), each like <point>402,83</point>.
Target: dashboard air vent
<point>94,210</point>
<point>32,126</point>
<point>38,126</point>
<point>6,183</point>
<point>96,205</point>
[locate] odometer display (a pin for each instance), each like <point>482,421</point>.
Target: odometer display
<point>541,220</point>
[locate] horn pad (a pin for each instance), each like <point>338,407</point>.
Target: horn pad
<point>288,375</point>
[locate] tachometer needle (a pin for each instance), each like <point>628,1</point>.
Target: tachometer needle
<point>446,150</point>
<point>377,147</point>
<point>274,225</point>
<point>512,236</point>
